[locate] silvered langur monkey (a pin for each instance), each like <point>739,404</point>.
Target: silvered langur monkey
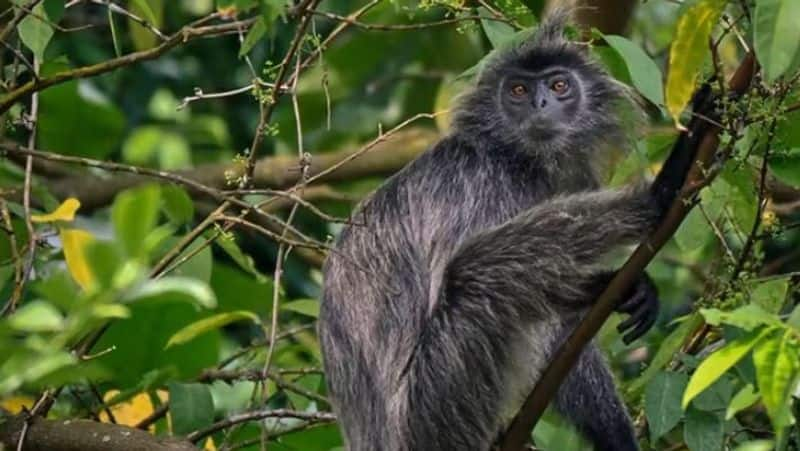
<point>444,301</point>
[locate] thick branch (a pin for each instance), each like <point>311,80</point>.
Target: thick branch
<point>83,435</point>
<point>563,361</point>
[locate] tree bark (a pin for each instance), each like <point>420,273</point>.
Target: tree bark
<point>82,435</point>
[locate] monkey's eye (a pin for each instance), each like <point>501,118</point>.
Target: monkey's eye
<point>519,90</point>
<point>559,86</point>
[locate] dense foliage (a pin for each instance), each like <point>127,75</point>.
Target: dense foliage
<point>173,174</point>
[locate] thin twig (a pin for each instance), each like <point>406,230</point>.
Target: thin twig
<point>320,417</point>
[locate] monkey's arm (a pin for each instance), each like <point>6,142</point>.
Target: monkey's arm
<point>551,249</point>
<point>496,287</point>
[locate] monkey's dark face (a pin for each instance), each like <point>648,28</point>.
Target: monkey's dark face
<point>543,103</point>
<point>545,97</point>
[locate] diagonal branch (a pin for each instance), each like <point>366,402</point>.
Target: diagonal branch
<point>566,356</point>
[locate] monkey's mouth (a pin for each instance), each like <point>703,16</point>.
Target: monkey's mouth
<point>541,130</point>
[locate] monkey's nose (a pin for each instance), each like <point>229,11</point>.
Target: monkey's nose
<point>539,100</point>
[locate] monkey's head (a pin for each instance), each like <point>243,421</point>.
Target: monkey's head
<point>545,95</point>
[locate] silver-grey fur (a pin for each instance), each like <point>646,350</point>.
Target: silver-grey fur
<point>443,304</point>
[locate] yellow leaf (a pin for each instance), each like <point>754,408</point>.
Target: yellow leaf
<point>209,446</point>
<point>64,212</point>
<point>74,242</point>
<point>688,53</point>
<point>15,404</point>
<point>130,412</point>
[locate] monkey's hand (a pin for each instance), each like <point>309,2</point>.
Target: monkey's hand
<point>641,304</point>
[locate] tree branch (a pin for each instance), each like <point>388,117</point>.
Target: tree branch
<point>271,172</point>
<point>565,358</point>
<point>184,35</point>
<point>82,435</point>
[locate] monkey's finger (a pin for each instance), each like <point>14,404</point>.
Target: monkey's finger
<point>633,303</point>
<point>642,327</point>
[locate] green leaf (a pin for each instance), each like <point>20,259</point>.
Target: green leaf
<point>36,316</point>
<point>785,165</point>
<point>644,73</point>
<point>153,145</point>
<point>134,214</point>
<point>499,33</point>
<point>256,33</point>
<point>137,344</point>
<point>747,317</point>
<point>199,259</point>
<point>794,318</point>
<point>54,9</point>
<point>151,11</point>
<point>178,206</point>
<point>666,351</point>
<point>308,307</point>
<point>716,364</point>
<point>745,398</point>
<point>191,407</point>
<point>776,372</point>
<point>77,122</point>
<point>776,34</point>
<point>35,33</point>
<point>271,10</point>
<point>757,445</point>
<point>716,397</point>
<point>688,52</point>
<point>5,275</point>
<point>229,245</point>
<point>770,294</point>
<point>208,324</point>
<point>173,289</point>
<point>703,431</point>
<point>146,11</point>
<point>662,402</point>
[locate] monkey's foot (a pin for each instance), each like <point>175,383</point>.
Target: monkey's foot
<point>642,306</point>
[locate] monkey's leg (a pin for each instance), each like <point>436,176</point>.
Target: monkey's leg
<point>589,400</point>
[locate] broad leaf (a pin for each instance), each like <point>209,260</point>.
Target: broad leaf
<point>745,398</point>
<point>715,365</point>
<point>747,317</point>
<point>308,307</point>
<point>662,402</point>
<point>703,431</point>
<point>191,407</point>
<point>208,324</point>
<point>36,316</point>
<point>776,371</point>
<point>688,52</point>
<point>174,289</point>
<point>256,33</point>
<point>499,33</point>
<point>785,165</point>
<point>644,73</point>
<point>134,214</point>
<point>777,35</point>
<point>35,33</point>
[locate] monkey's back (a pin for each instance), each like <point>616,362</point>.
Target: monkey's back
<point>384,274</point>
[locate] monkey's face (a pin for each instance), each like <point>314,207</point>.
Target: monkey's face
<point>543,103</point>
